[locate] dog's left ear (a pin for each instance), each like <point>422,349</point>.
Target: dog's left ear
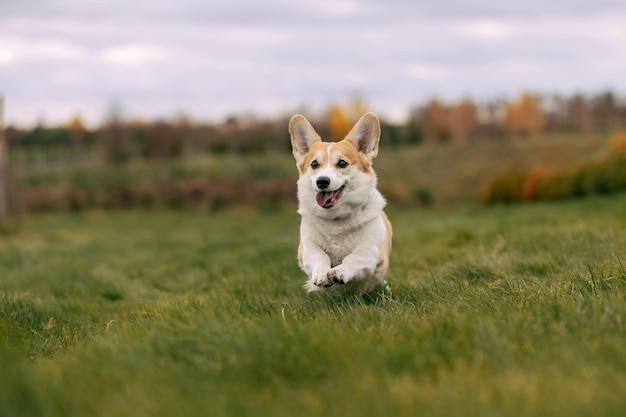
<point>302,136</point>
<point>365,135</point>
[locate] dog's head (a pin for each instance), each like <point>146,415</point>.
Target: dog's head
<point>332,172</point>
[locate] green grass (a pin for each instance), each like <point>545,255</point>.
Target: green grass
<point>495,311</point>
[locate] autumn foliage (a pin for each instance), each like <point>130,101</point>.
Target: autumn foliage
<point>524,116</point>
<point>465,125</point>
<point>599,176</point>
<point>456,123</point>
<point>342,118</point>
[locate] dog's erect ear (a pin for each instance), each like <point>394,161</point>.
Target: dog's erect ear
<point>302,135</point>
<point>365,135</point>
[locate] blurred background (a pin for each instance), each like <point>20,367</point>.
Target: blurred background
<point>185,103</point>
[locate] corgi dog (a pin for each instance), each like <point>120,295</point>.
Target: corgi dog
<point>345,237</point>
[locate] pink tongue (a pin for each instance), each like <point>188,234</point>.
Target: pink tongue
<point>325,199</point>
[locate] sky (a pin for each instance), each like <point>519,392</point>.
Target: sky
<point>212,59</point>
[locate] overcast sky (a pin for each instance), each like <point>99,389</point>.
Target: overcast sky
<point>210,59</point>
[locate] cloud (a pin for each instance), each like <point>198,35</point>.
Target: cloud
<point>136,55</point>
<point>212,59</point>
<point>426,72</point>
<point>14,50</point>
<point>487,29</point>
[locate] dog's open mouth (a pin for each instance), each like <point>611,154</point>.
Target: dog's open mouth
<point>328,199</point>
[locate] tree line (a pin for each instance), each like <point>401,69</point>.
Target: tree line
<point>118,140</point>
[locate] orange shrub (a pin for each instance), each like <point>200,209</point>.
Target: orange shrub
<point>600,176</point>
<point>617,142</point>
<point>532,183</point>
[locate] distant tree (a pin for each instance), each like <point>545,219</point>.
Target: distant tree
<point>463,121</point>
<point>524,116</point>
<point>339,122</point>
<point>413,133</point>
<point>556,114</point>
<point>163,141</point>
<point>341,118</point>
<point>605,110</point>
<point>391,133</point>
<point>491,118</point>
<point>185,130</point>
<point>77,131</point>
<point>578,113</point>
<point>268,135</point>
<point>435,122</point>
<point>414,126</point>
<point>115,138</point>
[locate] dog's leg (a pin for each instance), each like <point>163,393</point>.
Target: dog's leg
<point>368,260</point>
<point>316,264</point>
<point>361,263</point>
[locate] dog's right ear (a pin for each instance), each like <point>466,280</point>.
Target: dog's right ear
<point>302,136</point>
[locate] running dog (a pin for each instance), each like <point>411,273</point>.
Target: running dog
<point>345,236</point>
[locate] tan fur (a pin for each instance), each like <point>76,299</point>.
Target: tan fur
<point>385,245</point>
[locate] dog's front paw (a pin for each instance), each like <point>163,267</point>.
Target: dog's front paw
<point>321,280</point>
<point>339,275</point>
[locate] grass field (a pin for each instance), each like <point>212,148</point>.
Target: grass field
<point>495,311</point>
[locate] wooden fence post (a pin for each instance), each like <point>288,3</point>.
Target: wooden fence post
<point>8,203</point>
<point>4,206</point>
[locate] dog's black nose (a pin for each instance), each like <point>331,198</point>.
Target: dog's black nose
<point>323,182</point>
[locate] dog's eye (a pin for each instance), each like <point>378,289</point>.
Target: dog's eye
<point>315,164</point>
<point>342,163</point>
